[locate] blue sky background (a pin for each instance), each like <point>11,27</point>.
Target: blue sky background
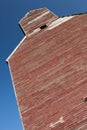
<point>10,35</point>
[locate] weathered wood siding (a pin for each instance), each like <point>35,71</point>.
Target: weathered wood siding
<point>49,72</point>
<point>35,19</point>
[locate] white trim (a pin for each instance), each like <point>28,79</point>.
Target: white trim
<point>61,120</point>
<point>39,17</point>
<point>15,49</point>
<point>35,31</point>
<point>54,24</point>
<point>15,95</point>
<point>58,22</point>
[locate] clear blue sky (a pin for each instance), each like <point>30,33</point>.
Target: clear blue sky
<point>10,35</point>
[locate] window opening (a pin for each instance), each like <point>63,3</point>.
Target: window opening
<point>43,26</point>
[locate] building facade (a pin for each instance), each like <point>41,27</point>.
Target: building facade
<point>49,71</point>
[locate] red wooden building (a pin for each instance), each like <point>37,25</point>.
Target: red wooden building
<point>49,71</point>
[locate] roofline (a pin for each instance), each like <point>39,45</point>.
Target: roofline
<point>49,28</point>
<point>16,97</point>
<point>53,25</point>
<point>59,22</point>
<point>30,12</point>
<point>15,49</point>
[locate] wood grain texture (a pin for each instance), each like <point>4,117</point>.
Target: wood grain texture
<point>50,76</point>
<point>35,19</point>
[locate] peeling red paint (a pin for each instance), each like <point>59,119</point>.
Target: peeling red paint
<point>49,71</point>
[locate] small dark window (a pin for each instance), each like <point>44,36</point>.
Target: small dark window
<point>43,26</point>
<point>85,99</point>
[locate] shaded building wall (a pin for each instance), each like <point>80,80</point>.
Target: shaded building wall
<point>49,72</point>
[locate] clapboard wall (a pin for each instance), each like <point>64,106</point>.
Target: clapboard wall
<point>49,71</point>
